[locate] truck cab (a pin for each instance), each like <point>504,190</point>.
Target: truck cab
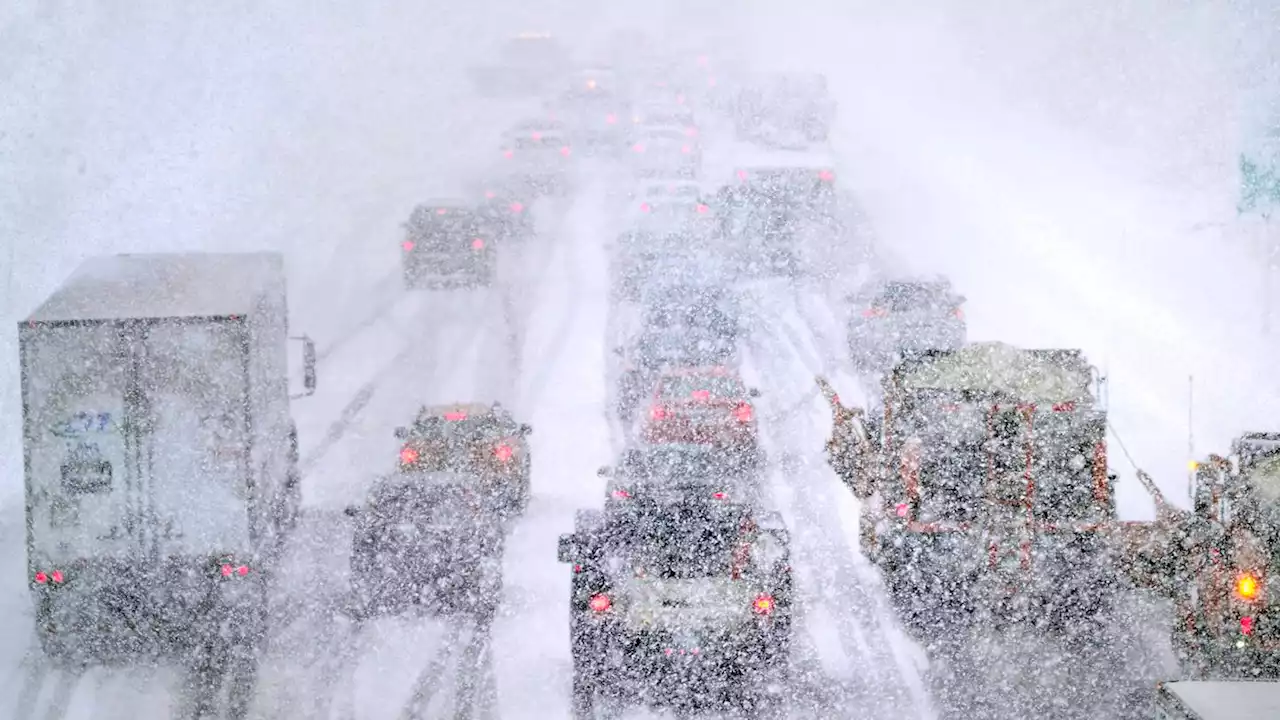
<point>161,459</point>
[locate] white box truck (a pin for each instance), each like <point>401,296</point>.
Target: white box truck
<point>160,454</point>
<point>1218,700</point>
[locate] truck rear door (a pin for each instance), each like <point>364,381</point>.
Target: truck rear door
<point>194,394</point>
<point>82,485</point>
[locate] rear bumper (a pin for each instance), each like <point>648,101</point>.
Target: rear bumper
<point>120,609</point>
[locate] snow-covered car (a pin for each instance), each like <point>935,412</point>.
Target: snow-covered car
<point>647,476</point>
<point>665,202</point>
<point>658,348</point>
<point>664,116</point>
<point>686,607</point>
<point>665,154</point>
<point>480,439</point>
<point>425,539</point>
<point>704,405</point>
<point>445,245</point>
<point>903,317</point>
<point>539,153</point>
<point>595,109</point>
<point>785,102</point>
<point>503,207</point>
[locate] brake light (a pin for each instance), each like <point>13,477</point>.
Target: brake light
<point>537,136</point>
<point>826,175</point>
<point>711,82</point>
<point>763,605</point>
<point>686,149</point>
<point>742,175</point>
<point>1064,407</point>
<point>1246,625</point>
<point>702,208</point>
<point>622,494</point>
<point>503,452</point>
<point>644,207</point>
<point>489,195</point>
<point>517,207</point>
<point>691,131</point>
<point>611,118</point>
<point>408,456</point>
<point>874,312</point>
<point>477,244</point>
<point>1247,587</point>
<point>959,313</point>
<point>600,603</point>
<point>719,496</point>
<point>658,412</point>
<point>565,151</point>
<point>41,578</point>
<point>638,147</point>
<point>455,416</point>
<point>228,570</point>
<point>407,245</point>
<point>441,211</point>
<point>744,413</point>
<point>701,394</point>
<point>680,99</point>
<point>508,153</point>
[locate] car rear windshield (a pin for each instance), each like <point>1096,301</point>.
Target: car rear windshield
<point>682,542</point>
<point>717,386</point>
<point>462,427</point>
<point>541,143</point>
<point>432,227</point>
<point>910,296</point>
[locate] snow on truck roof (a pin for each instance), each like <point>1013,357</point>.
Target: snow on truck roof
<point>160,285</point>
<point>1033,376</point>
<point>1228,699</point>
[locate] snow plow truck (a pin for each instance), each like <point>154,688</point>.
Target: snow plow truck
<point>985,490</point>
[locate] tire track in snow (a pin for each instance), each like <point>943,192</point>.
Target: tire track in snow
<point>430,681</point>
<point>862,623</point>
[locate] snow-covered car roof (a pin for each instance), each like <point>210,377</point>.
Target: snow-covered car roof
<point>1001,369</point>
<point>669,189</point>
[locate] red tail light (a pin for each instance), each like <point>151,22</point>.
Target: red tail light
<point>826,175</point>
<point>622,494</point>
<point>517,207</point>
<point>742,175</point>
<point>508,153</point>
<point>503,452</point>
<point>228,570</point>
<point>680,99</point>
<point>537,136</point>
<point>638,147</point>
<point>763,605</point>
<point>565,151</point>
<point>702,208</point>
<point>407,245</point>
<point>442,211</point>
<point>600,603</point>
<point>658,412</point>
<point>744,413</point>
<point>691,131</point>
<point>1246,625</point>
<point>41,578</point>
<point>477,244</point>
<point>611,118</point>
<point>1064,407</point>
<point>719,496</point>
<point>958,313</point>
<point>489,195</point>
<point>874,312</point>
<point>711,82</point>
<point>702,395</point>
<point>686,149</point>
<point>408,456</point>
<point>455,416</point>
<point>644,207</point>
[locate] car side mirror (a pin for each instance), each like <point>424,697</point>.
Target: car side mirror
<point>308,366</point>
<point>351,511</point>
<point>605,471</point>
<point>402,433</point>
<point>526,429</point>
<point>754,392</point>
<point>567,552</point>
<point>619,351</point>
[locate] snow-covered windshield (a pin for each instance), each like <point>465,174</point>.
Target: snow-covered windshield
<point>707,542</point>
